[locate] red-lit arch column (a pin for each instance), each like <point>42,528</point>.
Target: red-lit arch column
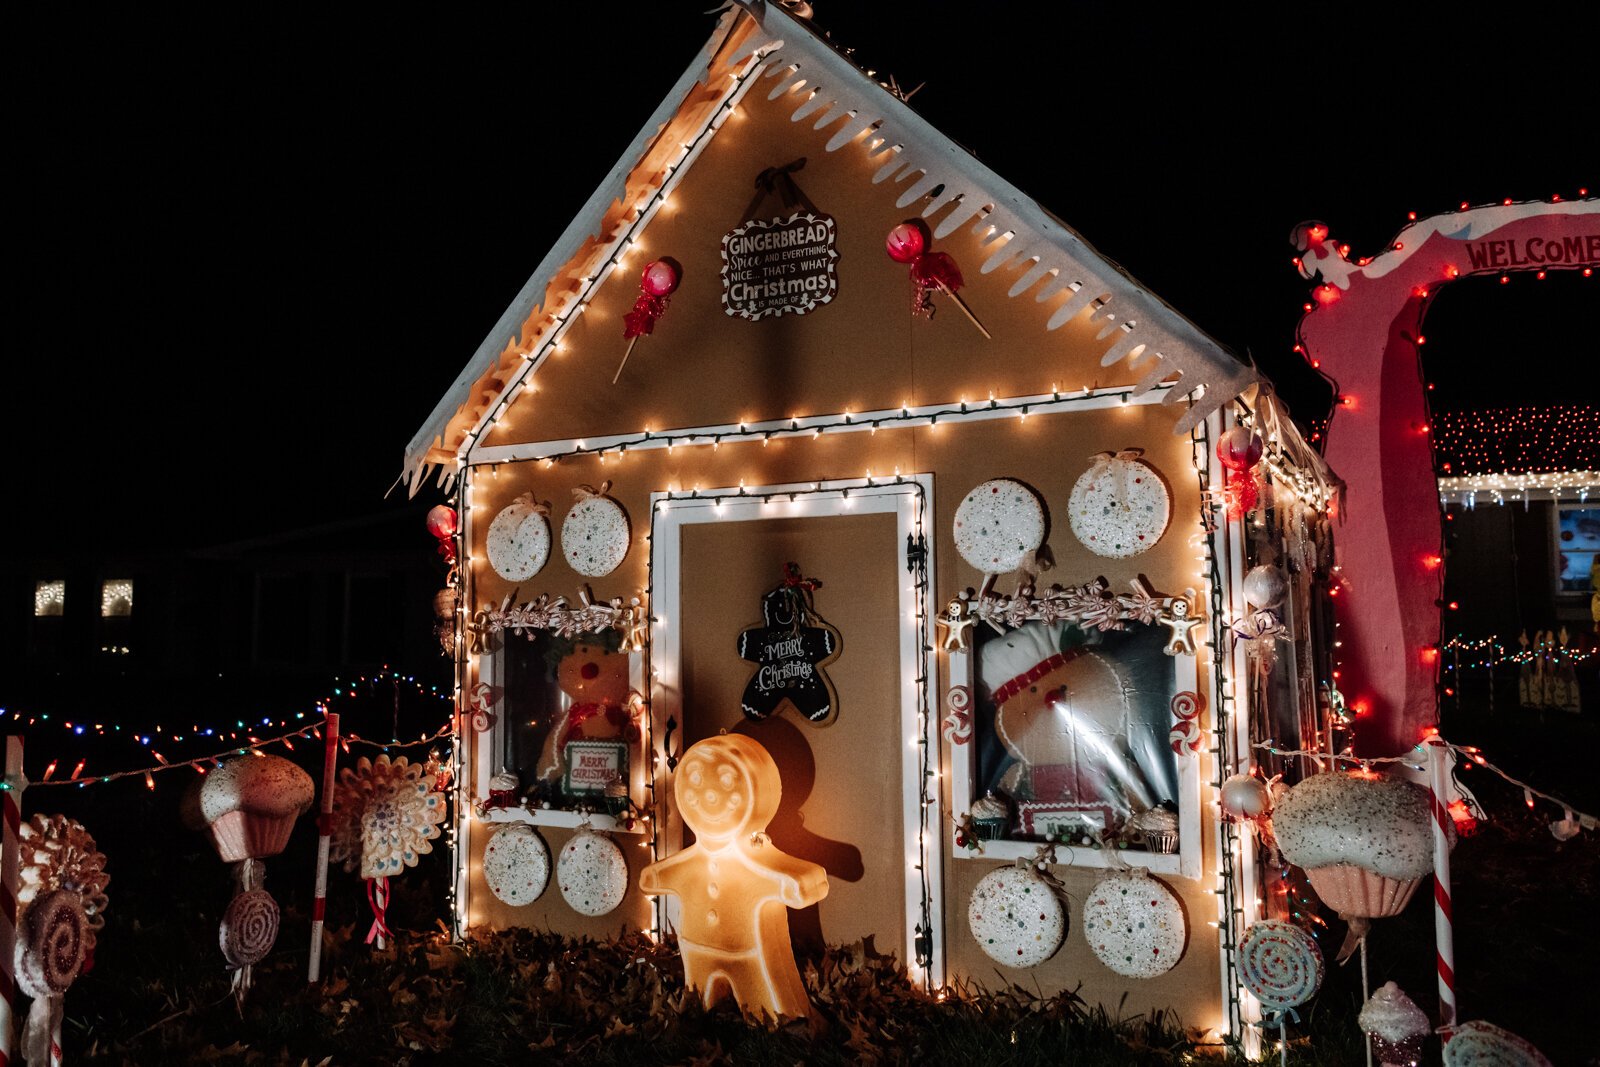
<point>1363,326</point>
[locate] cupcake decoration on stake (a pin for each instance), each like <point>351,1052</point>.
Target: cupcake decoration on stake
<point>1364,840</point>
<point>250,805</point>
<point>1395,1027</point>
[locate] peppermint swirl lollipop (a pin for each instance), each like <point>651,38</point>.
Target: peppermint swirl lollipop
<point>50,953</point>
<point>249,928</point>
<point>1280,964</point>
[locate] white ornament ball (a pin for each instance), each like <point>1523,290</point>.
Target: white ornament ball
<point>1016,917</point>
<point>516,865</point>
<point>1266,586</point>
<point>592,873</point>
<point>1244,796</point>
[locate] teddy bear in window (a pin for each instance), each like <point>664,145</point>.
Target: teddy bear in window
<point>593,674</point>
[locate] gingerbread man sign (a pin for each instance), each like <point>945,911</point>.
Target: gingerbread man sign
<point>734,886</point>
<point>791,650</point>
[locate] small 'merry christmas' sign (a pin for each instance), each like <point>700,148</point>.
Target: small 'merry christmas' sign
<point>593,765</point>
<point>779,265</point>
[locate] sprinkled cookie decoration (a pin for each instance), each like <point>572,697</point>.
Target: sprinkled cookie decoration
<point>1016,917</point>
<point>519,539</point>
<point>516,865</point>
<point>1135,924</point>
<point>592,873</point>
<point>999,526</point>
<point>595,533</point>
<point>791,649</point>
<point>1120,506</point>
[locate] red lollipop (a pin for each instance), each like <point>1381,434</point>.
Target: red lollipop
<point>658,282</point>
<point>908,243</point>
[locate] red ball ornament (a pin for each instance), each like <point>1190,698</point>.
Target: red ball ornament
<point>907,241</point>
<point>1239,449</point>
<point>442,521</point>
<point>660,278</point>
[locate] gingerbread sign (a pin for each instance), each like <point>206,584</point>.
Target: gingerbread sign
<point>791,650</point>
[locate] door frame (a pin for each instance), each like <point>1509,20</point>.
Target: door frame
<point>910,500</point>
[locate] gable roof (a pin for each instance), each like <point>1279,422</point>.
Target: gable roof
<point>759,46</point>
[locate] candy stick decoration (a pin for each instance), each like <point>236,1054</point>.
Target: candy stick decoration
<point>319,905</point>
<point>1444,936</point>
<point>908,243</point>
<point>658,282</point>
<point>10,875</point>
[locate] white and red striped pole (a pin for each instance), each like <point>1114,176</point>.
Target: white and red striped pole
<point>10,874</point>
<point>319,904</point>
<point>1439,760</point>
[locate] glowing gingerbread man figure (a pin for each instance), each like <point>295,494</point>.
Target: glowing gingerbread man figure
<point>734,887</point>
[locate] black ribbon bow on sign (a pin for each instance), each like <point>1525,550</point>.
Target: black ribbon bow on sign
<point>791,650</point>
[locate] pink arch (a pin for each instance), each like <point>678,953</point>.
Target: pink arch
<point>1364,327</point>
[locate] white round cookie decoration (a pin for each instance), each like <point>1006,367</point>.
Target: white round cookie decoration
<point>519,539</point>
<point>1016,917</point>
<point>592,873</point>
<point>1120,507</point>
<point>516,865</point>
<point>1135,924</point>
<point>595,535</point>
<point>999,526</point>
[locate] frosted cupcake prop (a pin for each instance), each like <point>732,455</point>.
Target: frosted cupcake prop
<point>1365,842</point>
<point>1395,1026</point>
<point>250,805</point>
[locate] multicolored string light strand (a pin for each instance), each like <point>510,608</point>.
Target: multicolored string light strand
<point>202,764</point>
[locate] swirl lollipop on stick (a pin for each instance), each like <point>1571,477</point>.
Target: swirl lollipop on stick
<point>908,243</point>
<point>1281,964</point>
<point>249,929</point>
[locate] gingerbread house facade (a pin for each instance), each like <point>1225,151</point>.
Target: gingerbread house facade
<point>1016,629</point>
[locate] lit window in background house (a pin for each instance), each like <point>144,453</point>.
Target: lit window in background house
<point>49,598</point>
<point>116,598</point>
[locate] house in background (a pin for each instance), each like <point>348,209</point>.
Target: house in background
<point>259,624</point>
<point>1521,492</point>
<point>921,438</point>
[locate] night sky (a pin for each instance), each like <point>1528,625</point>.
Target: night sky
<point>256,251</point>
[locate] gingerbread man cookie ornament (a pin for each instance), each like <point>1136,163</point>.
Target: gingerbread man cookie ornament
<point>734,885</point>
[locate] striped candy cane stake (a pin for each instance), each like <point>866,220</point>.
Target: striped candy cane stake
<point>10,870</point>
<point>319,905</point>
<point>1439,760</point>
